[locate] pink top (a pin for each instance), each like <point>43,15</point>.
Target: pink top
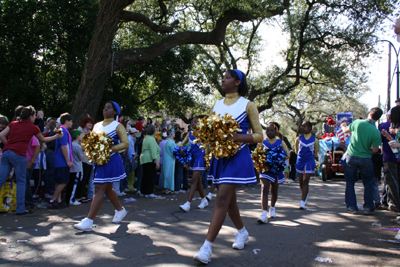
<point>32,148</point>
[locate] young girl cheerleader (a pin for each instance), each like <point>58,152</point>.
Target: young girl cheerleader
<point>306,148</point>
<point>270,178</point>
<point>113,171</point>
<point>236,170</point>
<point>197,167</point>
<point>20,133</point>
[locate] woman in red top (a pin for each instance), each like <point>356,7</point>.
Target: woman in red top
<point>20,133</point>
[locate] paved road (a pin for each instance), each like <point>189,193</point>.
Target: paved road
<point>295,238</point>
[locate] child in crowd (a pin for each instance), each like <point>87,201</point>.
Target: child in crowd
<point>131,154</point>
<point>20,133</point>
<point>110,172</point>
<point>50,172</point>
<point>31,155</point>
<point>197,167</point>
<point>39,171</point>
<point>236,170</point>
<point>63,161</point>
<point>270,178</point>
<point>76,172</point>
<point>306,148</point>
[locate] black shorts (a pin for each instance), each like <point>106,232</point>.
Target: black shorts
<point>61,175</point>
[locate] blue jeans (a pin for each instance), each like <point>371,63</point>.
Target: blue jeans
<point>90,188</point>
<point>364,165</point>
<point>49,173</point>
<point>28,189</point>
<point>10,159</point>
<point>377,197</point>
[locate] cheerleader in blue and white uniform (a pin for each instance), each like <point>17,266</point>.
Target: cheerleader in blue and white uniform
<point>113,171</point>
<point>268,178</point>
<point>306,148</point>
<point>228,173</point>
<point>197,166</point>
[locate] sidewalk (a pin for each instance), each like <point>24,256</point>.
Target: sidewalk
<point>295,238</point>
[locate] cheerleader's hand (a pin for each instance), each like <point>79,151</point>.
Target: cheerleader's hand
<point>157,166</point>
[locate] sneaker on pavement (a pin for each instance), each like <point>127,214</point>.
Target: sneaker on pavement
<point>185,207</point>
<point>52,205</point>
<point>203,203</point>
<point>306,200</point>
<point>209,196</point>
<point>368,212</point>
<point>182,191</point>
<point>302,205</point>
<point>119,215</point>
<point>263,218</point>
<point>138,192</point>
<point>352,211</point>
<point>272,213</point>
<point>240,240</point>
<point>204,255</point>
<point>75,203</point>
<point>85,225</point>
<point>152,196</point>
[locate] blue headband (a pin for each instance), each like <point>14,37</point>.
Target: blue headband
<point>239,73</point>
<point>117,107</point>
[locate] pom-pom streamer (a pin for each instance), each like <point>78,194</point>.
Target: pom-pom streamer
<point>183,154</point>
<point>213,133</point>
<point>97,147</point>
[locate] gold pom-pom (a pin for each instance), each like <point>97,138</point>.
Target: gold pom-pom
<point>207,160</point>
<point>97,147</point>
<point>213,133</point>
<point>260,159</point>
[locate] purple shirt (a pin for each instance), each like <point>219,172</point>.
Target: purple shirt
<point>387,151</point>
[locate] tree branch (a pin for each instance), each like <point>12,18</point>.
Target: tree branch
<point>127,16</point>
<point>132,56</point>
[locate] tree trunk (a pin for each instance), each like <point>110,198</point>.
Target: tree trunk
<point>98,66</point>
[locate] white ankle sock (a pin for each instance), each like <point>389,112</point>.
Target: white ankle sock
<point>264,212</point>
<point>243,230</point>
<point>207,244</point>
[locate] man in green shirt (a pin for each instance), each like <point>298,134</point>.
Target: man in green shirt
<point>364,138</point>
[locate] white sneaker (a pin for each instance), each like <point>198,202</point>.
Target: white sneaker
<point>272,213</point>
<point>84,225</point>
<point>152,196</point>
<point>203,203</point>
<point>209,196</point>
<point>204,255</point>
<point>121,194</point>
<point>182,191</point>
<point>185,207</point>
<point>306,200</point>
<point>75,203</point>
<point>240,240</point>
<point>302,205</point>
<point>126,190</point>
<point>263,218</point>
<point>398,236</point>
<point>138,192</point>
<point>119,215</point>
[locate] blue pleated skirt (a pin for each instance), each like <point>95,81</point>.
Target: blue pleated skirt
<point>111,172</point>
<point>238,170</point>
<point>197,162</point>
<point>273,176</point>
